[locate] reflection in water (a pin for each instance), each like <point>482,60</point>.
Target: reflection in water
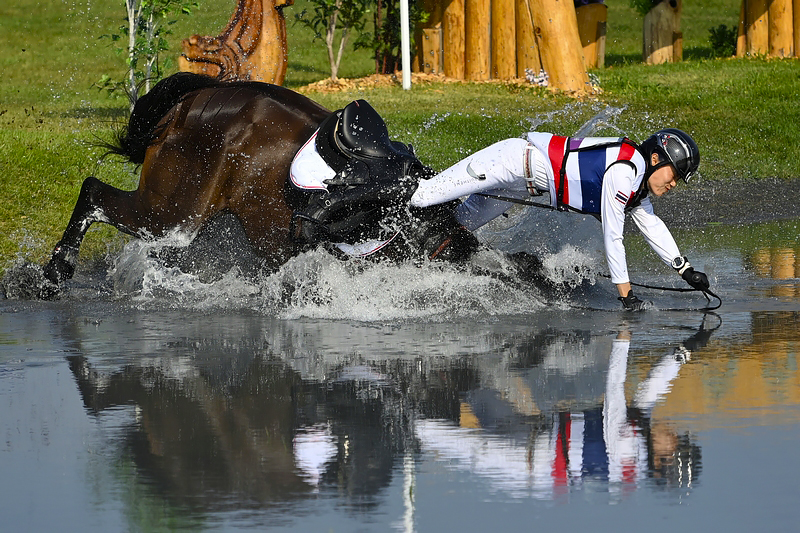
<point>778,263</point>
<point>753,375</point>
<point>545,440</point>
<point>280,415</point>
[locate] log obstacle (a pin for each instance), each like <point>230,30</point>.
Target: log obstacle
<point>769,28</point>
<point>592,31</point>
<point>252,46</point>
<point>662,39</point>
<point>502,39</point>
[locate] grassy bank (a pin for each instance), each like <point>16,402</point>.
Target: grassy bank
<point>743,113</point>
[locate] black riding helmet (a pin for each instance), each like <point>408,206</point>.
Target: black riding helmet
<point>674,147</point>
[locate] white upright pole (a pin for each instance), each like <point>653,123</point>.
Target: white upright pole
<point>405,44</point>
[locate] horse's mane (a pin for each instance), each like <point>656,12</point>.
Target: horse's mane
<point>132,141</point>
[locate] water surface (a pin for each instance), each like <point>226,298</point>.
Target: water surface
<point>334,397</point>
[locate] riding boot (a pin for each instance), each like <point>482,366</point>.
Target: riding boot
<point>437,234</point>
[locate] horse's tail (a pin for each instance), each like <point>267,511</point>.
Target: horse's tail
<point>132,141</point>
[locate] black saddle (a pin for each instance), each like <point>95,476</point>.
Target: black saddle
<point>374,177</point>
<point>358,132</point>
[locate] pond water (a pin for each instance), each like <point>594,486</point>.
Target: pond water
<point>341,397</point>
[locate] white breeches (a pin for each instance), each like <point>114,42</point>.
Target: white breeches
<point>497,169</point>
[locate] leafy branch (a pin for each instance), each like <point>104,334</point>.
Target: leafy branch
<point>327,17</point>
<point>147,24</point>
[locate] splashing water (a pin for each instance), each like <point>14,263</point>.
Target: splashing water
<point>603,119</point>
<point>316,284</point>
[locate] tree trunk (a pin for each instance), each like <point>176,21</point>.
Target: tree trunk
<point>453,28</point>
<point>527,50</point>
<point>592,31</point>
<point>781,41</point>
<point>796,26</point>
<point>662,41</point>
<point>504,40</point>
<point>476,53</point>
<point>755,26</point>
<point>556,30</point>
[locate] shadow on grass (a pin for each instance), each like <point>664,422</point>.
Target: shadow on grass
<point>694,53</point>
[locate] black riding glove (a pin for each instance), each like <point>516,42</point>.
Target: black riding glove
<point>695,278</point>
<point>632,303</point>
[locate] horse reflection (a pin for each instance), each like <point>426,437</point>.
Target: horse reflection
<point>256,433</point>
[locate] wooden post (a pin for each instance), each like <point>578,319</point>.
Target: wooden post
<point>796,28</point>
<point>252,47</point>
<point>527,49</point>
<point>556,29</point>
<point>504,40</point>
<point>592,31</point>
<point>661,29</point>
<point>423,38</point>
<point>430,50</point>
<point>756,27</point>
<point>453,38</point>
<point>476,29</point>
<point>781,40</point>
<point>741,35</point>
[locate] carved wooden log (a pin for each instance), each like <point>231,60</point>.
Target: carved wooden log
<point>556,29</point>
<point>662,40</point>
<point>252,46</point>
<point>592,30</point>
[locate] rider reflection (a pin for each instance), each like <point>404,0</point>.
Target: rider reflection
<point>571,443</point>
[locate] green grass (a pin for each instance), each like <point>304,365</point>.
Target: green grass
<point>743,113</point>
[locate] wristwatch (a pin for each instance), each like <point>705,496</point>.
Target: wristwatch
<point>680,264</point>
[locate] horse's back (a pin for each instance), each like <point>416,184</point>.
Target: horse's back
<point>229,147</point>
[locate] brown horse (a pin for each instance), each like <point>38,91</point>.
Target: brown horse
<point>208,147</point>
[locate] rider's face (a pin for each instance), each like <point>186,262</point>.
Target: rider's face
<point>662,180</point>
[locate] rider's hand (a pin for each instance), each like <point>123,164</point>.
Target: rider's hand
<point>632,303</point>
<point>696,279</point>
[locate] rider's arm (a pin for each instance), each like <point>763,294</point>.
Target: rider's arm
<point>655,232</point>
<point>617,187</point>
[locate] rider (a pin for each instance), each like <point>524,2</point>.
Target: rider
<point>605,177</point>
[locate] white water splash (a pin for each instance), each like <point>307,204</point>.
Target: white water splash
<point>318,285</point>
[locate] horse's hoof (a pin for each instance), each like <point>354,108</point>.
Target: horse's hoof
<point>58,270</point>
<point>49,291</point>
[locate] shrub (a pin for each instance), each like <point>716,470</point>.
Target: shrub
<point>723,40</point>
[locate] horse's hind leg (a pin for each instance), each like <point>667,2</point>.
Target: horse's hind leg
<point>97,202</point>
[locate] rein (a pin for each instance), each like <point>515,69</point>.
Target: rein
<point>706,292</point>
<point>516,200</point>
